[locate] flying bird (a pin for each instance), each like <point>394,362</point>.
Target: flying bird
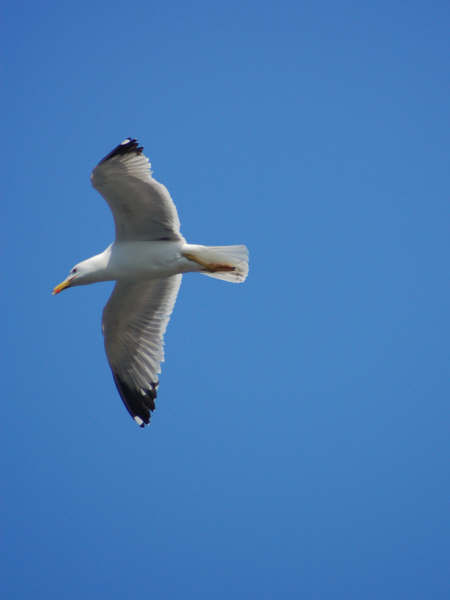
<point>146,260</point>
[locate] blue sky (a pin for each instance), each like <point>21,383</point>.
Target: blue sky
<point>300,444</point>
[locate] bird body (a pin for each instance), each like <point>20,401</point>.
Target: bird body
<point>123,261</point>
<point>147,261</point>
<point>131,260</point>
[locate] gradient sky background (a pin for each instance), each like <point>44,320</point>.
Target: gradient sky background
<point>300,447</point>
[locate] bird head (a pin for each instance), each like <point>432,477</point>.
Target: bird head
<point>82,273</point>
<point>74,275</point>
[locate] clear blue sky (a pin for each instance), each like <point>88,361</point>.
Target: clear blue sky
<point>300,446</point>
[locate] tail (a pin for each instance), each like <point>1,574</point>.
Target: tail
<point>234,259</point>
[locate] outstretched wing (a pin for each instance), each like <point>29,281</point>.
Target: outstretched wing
<point>142,208</point>
<point>134,321</point>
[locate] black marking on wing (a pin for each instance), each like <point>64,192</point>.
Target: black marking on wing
<point>128,146</point>
<point>138,402</point>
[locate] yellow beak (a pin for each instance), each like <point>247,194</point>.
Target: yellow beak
<point>62,286</point>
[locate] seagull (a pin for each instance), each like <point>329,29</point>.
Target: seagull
<point>147,261</point>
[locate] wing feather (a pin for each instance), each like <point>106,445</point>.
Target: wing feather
<point>134,322</point>
<point>142,207</point>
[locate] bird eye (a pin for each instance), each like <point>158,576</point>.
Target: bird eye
<point>73,271</point>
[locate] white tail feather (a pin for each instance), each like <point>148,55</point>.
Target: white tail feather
<point>233,256</point>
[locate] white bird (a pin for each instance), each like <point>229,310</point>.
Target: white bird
<point>146,260</point>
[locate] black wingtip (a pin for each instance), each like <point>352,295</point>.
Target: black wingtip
<point>138,402</point>
<point>128,146</point>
